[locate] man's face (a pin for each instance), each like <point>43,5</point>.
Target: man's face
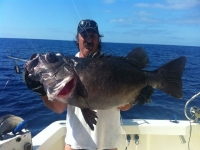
<point>88,42</point>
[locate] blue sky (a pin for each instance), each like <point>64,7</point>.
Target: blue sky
<point>170,22</point>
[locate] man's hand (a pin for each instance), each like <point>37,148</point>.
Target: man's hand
<point>35,86</point>
<point>125,107</point>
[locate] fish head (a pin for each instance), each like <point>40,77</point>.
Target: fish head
<point>41,65</point>
<point>55,72</point>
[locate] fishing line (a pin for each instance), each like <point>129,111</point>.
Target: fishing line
<point>16,69</point>
<point>5,86</point>
<point>76,10</point>
<point>78,13</point>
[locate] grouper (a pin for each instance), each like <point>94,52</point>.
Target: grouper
<point>103,81</point>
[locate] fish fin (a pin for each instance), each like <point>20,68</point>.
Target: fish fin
<point>89,116</point>
<point>138,57</point>
<point>171,74</point>
<point>144,96</point>
<point>98,54</point>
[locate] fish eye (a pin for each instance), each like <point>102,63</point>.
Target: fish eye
<point>51,57</point>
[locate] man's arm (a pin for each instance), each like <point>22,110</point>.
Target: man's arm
<point>54,105</point>
<point>38,88</point>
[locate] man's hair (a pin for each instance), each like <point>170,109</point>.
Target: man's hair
<point>77,45</point>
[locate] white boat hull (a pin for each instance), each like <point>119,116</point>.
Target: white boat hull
<point>153,135</point>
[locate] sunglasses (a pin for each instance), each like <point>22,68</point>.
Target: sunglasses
<point>86,23</point>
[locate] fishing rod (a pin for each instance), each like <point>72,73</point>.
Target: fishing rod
<point>16,67</point>
<point>16,58</point>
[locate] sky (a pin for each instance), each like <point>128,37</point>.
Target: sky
<point>167,22</point>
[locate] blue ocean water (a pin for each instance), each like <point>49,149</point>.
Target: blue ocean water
<point>16,99</point>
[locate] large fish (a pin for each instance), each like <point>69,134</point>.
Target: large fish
<point>103,82</point>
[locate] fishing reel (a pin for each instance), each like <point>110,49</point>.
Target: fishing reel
<point>194,111</point>
<point>16,67</point>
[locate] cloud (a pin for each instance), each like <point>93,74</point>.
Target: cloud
<point>149,20</point>
<point>121,20</point>
<point>144,13</point>
<point>142,32</point>
<point>108,1</point>
<point>188,21</point>
<point>171,4</point>
<point>143,17</point>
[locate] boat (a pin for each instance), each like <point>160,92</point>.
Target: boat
<point>141,134</point>
<point>137,134</point>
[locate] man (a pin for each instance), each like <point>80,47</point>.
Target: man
<point>107,132</point>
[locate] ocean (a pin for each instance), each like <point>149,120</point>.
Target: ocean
<point>16,99</point>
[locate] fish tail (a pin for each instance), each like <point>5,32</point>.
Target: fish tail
<point>171,77</point>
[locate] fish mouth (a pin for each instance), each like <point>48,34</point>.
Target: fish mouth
<point>66,91</point>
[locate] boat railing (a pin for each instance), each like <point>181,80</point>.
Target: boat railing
<point>194,110</point>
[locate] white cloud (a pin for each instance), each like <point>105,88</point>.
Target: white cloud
<point>188,21</point>
<point>144,16</point>
<point>171,4</point>
<point>149,20</point>
<point>144,13</point>
<point>121,20</point>
<point>133,21</point>
<point>108,1</point>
